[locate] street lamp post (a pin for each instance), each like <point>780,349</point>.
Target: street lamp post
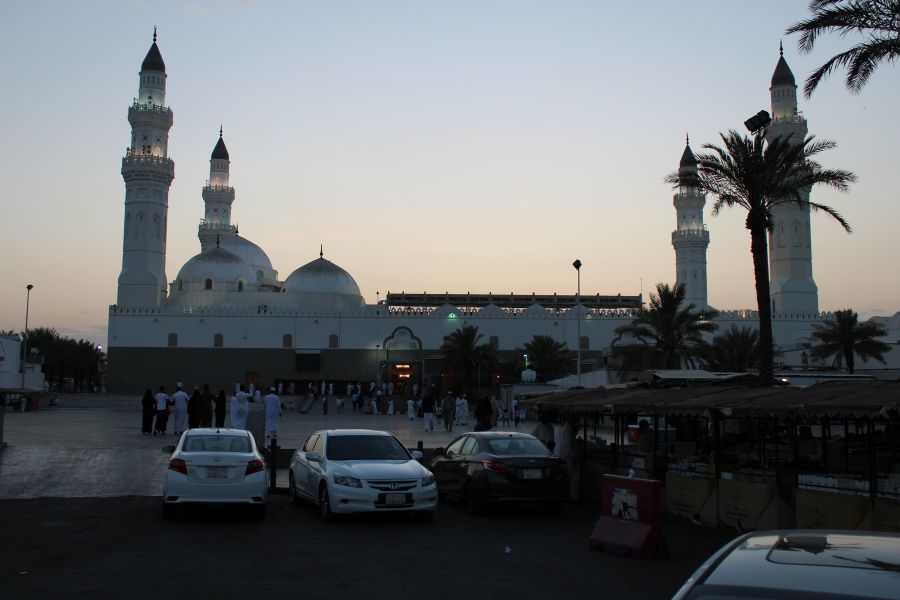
<point>25,333</point>
<point>378,364</point>
<point>577,265</point>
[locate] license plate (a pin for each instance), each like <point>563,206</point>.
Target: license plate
<point>395,498</point>
<point>531,473</point>
<point>217,472</point>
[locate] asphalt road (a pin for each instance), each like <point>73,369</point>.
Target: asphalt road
<point>121,547</point>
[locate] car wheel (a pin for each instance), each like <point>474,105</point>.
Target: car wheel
<point>473,507</point>
<point>292,490</point>
<point>169,511</point>
<point>325,504</point>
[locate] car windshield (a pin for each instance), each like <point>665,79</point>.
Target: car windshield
<point>216,443</point>
<point>515,445</point>
<point>365,447</point>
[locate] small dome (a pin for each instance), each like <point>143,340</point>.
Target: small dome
<point>535,310</point>
<point>252,254</point>
<point>322,277</point>
<point>154,60</point>
<point>217,264</point>
<point>782,74</point>
<point>491,310</point>
<point>220,152</point>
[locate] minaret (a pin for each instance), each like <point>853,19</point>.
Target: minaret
<point>217,198</point>
<point>691,238</point>
<point>148,173</point>
<point>790,248</point>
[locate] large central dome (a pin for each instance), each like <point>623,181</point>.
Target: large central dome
<point>324,285</point>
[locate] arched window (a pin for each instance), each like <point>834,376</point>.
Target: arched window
<point>173,340</point>
<point>333,341</point>
<point>207,285</point>
<point>180,285</point>
<point>287,341</point>
<point>240,285</point>
<point>218,340</point>
<point>156,226</point>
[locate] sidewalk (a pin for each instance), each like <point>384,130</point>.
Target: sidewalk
<point>91,445</point>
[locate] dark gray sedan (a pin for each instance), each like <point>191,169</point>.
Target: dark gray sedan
<point>493,467</point>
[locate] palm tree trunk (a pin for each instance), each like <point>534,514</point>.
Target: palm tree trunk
<point>760,251</point>
<point>848,354</point>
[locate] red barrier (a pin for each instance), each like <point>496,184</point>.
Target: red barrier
<point>630,521</point>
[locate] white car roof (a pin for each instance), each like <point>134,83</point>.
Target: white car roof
<point>217,431</point>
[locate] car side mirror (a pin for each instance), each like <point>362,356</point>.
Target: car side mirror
<point>439,452</point>
<point>417,455</point>
<point>313,456</point>
<point>168,449</point>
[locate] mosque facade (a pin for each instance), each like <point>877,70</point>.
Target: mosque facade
<point>228,317</point>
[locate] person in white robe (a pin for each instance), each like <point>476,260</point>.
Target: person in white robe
<point>272,407</point>
<point>181,402</point>
<point>240,407</point>
<point>411,409</point>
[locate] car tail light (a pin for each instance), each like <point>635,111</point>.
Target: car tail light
<point>177,464</point>
<point>495,466</point>
<point>255,466</point>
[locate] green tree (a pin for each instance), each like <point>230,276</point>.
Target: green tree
<point>759,176</point>
<point>463,354</point>
<point>735,350</point>
<point>876,21</point>
<point>844,337</point>
<point>668,333</point>
<point>547,356</point>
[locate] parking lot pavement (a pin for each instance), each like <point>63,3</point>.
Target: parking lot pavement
<point>91,445</point>
<point>121,547</point>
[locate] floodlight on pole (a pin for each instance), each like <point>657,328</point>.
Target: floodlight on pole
<point>758,121</point>
<point>25,333</point>
<point>577,265</point>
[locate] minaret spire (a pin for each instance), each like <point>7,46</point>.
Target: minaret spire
<point>780,48</point>
<point>321,253</point>
<point>154,34</point>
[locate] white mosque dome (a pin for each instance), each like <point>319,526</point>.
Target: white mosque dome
<point>491,310</point>
<point>215,269</point>
<point>251,254</point>
<point>324,285</point>
<point>535,310</point>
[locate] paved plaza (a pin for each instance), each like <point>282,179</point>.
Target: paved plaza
<point>91,445</point>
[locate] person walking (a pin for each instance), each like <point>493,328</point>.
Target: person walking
<point>206,407</point>
<point>162,411</point>
<point>193,410</point>
<point>272,407</point>
<point>495,411</point>
<point>221,401</point>
<point>448,411</point>
<point>180,400</point>
<point>461,410</point>
<point>148,409</point>
<point>428,412</point>
<point>240,407</point>
<point>411,409</point>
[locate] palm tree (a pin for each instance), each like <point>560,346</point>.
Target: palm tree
<point>735,350</point>
<point>877,21</point>
<point>547,355</point>
<point>462,352</point>
<point>844,337</point>
<point>760,176</point>
<point>667,330</point>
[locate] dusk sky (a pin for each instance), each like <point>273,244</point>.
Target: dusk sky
<point>462,146</point>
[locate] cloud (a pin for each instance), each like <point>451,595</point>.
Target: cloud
<point>195,8</point>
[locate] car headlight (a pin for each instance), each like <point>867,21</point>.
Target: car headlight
<point>342,479</point>
<point>428,480</point>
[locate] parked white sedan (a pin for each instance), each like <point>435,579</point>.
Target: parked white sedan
<point>215,466</point>
<point>361,470</point>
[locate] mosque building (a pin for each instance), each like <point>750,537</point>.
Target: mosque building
<point>226,317</point>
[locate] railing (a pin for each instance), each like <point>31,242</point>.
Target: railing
<point>133,159</point>
<point>150,108</point>
<point>216,226</point>
<point>217,188</point>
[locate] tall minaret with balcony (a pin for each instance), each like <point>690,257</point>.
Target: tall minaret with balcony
<point>790,246</point>
<point>148,173</point>
<point>217,198</point>
<point>691,237</point>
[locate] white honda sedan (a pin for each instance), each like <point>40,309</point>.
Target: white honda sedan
<point>361,470</point>
<point>215,466</point>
